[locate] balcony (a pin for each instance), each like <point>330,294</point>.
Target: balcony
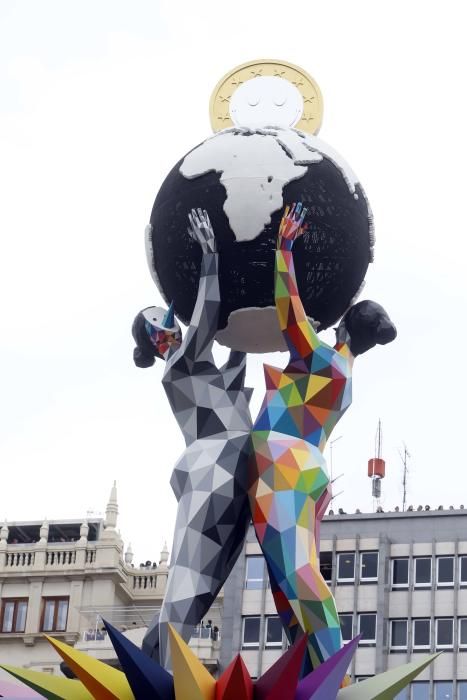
<point>205,642</point>
<point>146,583</point>
<point>21,559</point>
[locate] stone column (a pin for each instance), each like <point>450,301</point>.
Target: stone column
<point>81,546</point>
<point>33,619</point>
<point>3,544</point>
<point>74,617</point>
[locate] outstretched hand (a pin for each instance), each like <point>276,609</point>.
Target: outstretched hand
<point>291,226</point>
<point>200,229</point>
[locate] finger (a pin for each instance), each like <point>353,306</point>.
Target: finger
<point>292,210</point>
<point>200,215</point>
<point>302,218</point>
<point>192,218</point>
<point>298,209</point>
<point>286,211</point>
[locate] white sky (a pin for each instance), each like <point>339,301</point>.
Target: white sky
<point>98,101</point>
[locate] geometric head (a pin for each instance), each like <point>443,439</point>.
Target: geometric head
<point>155,332</point>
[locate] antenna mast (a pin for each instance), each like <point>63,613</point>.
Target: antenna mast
<point>404,459</point>
<point>377,467</point>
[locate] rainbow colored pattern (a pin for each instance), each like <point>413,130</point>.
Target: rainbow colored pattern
<point>290,488</point>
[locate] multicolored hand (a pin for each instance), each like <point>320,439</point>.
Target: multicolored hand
<point>291,226</point>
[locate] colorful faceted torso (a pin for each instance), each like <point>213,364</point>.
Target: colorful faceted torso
<point>307,401</point>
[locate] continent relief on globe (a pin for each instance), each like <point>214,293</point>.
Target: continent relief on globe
<point>244,178</point>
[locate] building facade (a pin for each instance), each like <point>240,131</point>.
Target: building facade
<point>61,577</point>
<point>399,580</point>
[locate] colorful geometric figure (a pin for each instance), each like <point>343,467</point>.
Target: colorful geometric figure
<point>102,681</point>
<point>289,483</point>
<point>235,683</point>
<point>385,686</point>
<point>192,680</point>
<point>324,682</point>
<point>146,677</point>
<point>51,687</point>
<point>280,681</point>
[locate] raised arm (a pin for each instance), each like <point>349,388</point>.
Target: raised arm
<point>196,345</point>
<point>298,332</point>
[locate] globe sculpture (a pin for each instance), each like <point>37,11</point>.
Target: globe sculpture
<point>243,177</point>
<point>237,264</point>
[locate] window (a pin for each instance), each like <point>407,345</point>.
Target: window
<point>369,566</point>
<point>444,690</point>
<point>346,621</point>
<point>400,572</point>
<point>420,690</point>
<point>445,571</point>
<point>421,634</point>
<point>367,628</point>
<point>461,690</point>
<point>273,631</point>
<point>398,634</point>
<point>403,695</point>
<point>13,618</point>
<point>423,571</point>
<point>325,565</point>
<point>346,566</point>
<point>54,614</point>
<point>463,632</point>
<point>463,570</point>
<point>444,633</point>
<point>254,572</point>
<point>251,631</point>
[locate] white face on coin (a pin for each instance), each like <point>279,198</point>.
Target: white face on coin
<point>266,101</point>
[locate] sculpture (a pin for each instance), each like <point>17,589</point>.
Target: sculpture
<point>211,406</point>
<point>289,488</point>
<point>244,175</point>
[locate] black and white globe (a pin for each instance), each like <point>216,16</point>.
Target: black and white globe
<point>243,178</point>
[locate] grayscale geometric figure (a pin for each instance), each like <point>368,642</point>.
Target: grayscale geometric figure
<point>211,406</point>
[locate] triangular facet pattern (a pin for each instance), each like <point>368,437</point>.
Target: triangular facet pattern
<point>280,681</point>
<point>146,678</point>
<point>192,680</point>
<point>235,682</point>
<point>100,679</point>
<point>51,687</point>
<point>211,406</point>
<point>385,686</point>
<point>289,482</point>
<point>324,682</point>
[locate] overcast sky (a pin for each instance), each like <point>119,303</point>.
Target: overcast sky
<point>98,100</point>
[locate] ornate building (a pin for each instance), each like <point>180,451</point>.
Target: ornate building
<point>60,577</point>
